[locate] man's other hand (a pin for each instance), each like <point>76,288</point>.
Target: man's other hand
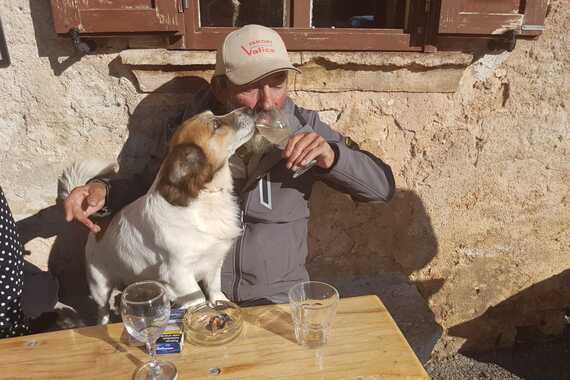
<point>302,148</point>
<point>83,202</point>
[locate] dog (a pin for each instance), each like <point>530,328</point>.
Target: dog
<point>179,232</point>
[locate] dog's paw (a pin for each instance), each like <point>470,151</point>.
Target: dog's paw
<point>218,296</point>
<point>192,303</point>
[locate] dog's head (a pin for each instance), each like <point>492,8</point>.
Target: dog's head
<point>199,148</point>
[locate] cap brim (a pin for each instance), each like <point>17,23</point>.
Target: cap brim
<point>255,73</point>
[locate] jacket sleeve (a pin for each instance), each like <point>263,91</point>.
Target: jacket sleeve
<point>356,172</point>
<point>125,190</point>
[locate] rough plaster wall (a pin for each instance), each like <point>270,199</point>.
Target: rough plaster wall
<point>480,221</point>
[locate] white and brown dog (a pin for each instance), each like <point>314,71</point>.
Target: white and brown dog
<point>179,232</point>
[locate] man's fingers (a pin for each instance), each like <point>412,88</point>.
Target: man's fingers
<point>93,208</point>
<point>298,145</point>
<point>77,207</point>
<point>73,202</point>
<point>309,153</point>
<point>89,224</point>
<point>81,217</point>
<point>68,211</point>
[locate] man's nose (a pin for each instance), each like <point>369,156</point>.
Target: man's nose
<point>266,101</point>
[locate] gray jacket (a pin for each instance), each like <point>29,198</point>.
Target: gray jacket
<point>270,255</point>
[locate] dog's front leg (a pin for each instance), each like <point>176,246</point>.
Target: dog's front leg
<point>101,289</point>
<point>185,291</point>
<point>214,284</point>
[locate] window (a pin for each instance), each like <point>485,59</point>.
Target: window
<point>395,25</point>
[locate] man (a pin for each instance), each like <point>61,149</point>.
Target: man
<point>251,70</point>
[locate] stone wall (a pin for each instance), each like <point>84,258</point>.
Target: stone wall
<point>481,219</point>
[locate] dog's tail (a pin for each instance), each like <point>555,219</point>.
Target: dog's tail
<point>81,172</point>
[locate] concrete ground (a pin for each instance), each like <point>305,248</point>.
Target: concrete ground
<point>545,361</point>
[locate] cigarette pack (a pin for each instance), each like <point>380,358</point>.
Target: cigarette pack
<point>172,338</point>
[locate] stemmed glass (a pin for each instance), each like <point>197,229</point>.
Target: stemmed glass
<point>273,127</point>
<point>145,309</point>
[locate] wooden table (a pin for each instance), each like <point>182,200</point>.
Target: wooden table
<point>365,343</point>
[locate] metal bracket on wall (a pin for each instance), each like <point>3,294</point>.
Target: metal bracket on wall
<point>532,28</point>
<point>81,46</point>
<point>507,41</point>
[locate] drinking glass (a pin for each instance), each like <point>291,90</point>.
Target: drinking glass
<point>313,308</point>
<point>145,309</point>
<point>272,129</point>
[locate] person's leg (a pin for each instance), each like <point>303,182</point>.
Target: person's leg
<point>13,322</point>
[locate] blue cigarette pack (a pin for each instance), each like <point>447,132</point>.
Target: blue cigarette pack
<point>172,338</point>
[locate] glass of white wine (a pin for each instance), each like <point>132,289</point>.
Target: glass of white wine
<point>145,309</point>
<point>272,129</point>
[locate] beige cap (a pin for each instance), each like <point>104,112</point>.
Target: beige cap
<point>251,53</point>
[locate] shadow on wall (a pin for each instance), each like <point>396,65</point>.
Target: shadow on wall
<point>536,316</point>
<point>60,50</point>
<point>370,238</point>
<point>372,248</point>
<point>67,258</point>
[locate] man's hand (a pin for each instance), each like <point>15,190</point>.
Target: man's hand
<point>84,201</point>
<point>305,147</point>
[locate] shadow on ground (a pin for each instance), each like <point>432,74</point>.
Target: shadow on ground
<point>532,324</point>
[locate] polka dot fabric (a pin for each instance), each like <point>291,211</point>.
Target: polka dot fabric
<point>12,319</point>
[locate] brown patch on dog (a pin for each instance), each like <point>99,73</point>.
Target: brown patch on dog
<point>185,172</point>
<point>208,132</point>
<point>194,131</point>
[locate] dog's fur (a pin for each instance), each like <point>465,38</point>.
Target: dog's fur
<point>180,231</point>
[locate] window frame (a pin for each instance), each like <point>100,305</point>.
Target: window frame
<point>300,36</point>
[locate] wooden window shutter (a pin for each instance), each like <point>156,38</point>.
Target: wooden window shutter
<point>534,15</point>
<point>118,16</point>
<point>492,16</point>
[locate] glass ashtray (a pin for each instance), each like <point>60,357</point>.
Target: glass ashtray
<point>213,323</point>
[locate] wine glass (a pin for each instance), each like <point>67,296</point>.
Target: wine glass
<point>145,309</point>
<point>273,126</point>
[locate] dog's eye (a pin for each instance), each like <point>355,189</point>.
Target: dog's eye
<point>216,124</point>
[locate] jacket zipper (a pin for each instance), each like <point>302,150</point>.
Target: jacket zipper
<point>237,251</point>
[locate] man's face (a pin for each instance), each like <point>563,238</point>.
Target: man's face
<point>264,94</point>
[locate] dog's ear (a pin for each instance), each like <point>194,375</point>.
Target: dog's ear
<point>185,172</point>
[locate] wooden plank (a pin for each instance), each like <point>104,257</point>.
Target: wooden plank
<point>482,24</point>
<point>131,16</point>
<point>122,21</point>
<point>317,39</point>
<point>124,4</point>
<point>480,17</point>
<point>490,6</point>
<point>534,15</point>
<point>302,13</point>
<point>365,343</point>
<point>65,15</point>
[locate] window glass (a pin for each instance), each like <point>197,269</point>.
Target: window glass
<point>384,14</point>
<point>235,13</point>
